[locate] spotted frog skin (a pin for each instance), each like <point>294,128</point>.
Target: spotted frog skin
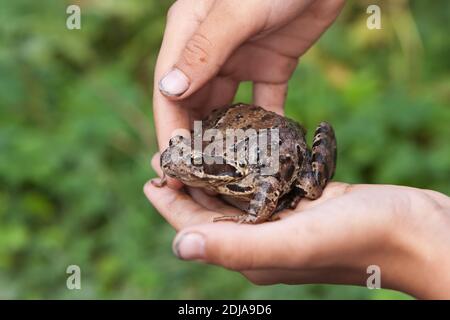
<point>303,172</point>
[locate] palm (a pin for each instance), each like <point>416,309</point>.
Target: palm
<point>358,201</point>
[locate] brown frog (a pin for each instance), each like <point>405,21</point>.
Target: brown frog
<point>300,171</point>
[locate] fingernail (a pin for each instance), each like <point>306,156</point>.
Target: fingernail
<point>190,246</point>
<point>174,83</point>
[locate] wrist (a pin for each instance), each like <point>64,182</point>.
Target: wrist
<point>424,237</point>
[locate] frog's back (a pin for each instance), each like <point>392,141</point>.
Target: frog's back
<point>244,116</point>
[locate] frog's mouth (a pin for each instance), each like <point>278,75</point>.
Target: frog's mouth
<point>198,178</point>
<point>183,169</point>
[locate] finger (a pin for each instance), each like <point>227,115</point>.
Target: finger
<point>279,51</point>
<point>245,64</point>
<point>177,207</point>
<point>218,92</point>
<point>182,21</point>
<point>225,27</point>
<point>243,247</point>
<point>222,92</point>
<point>155,164</point>
<point>172,183</point>
<point>271,96</point>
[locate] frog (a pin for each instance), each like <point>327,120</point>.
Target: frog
<point>302,172</point>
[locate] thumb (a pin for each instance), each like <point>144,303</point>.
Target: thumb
<point>243,247</point>
<point>225,27</point>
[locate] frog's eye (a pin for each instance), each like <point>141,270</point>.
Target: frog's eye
<point>221,170</point>
<point>241,164</point>
<point>196,160</point>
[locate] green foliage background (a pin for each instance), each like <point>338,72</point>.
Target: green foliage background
<point>76,137</point>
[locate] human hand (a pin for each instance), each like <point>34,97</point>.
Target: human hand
<point>405,231</point>
<point>210,46</point>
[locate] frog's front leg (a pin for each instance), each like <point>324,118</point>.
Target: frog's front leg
<point>159,183</point>
<point>323,162</point>
<point>262,205</point>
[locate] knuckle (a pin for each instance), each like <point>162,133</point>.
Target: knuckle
<point>175,202</point>
<point>173,10</point>
<point>192,8</point>
<point>198,49</point>
<point>288,66</point>
<point>170,12</point>
<point>282,69</point>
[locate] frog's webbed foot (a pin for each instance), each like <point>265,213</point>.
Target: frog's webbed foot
<point>245,218</point>
<point>159,182</point>
<point>323,162</point>
<point>262,205</point>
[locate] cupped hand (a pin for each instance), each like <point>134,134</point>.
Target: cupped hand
<point>210,46</point>
<point>334,239</point>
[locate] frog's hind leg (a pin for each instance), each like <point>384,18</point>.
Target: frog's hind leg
<point>323,162</point>
<point>262,205</point>
<point>264,202</point>
<point>291,199</point>
<point>324,153</point>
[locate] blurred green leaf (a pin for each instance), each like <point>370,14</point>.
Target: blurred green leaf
<point>76,138</point>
